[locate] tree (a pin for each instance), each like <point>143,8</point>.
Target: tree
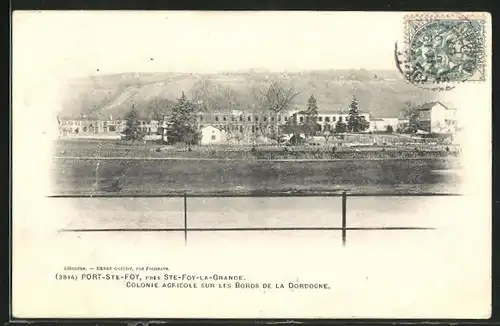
<point>232,125</point>
<point>410,113</point>
<point>389,129</point>
<point>356,122</point>
<point>158,109</point>
<point>201,92</point>
<point>340,127</point>
<point>327,134</point>
<point>236,135</point>
<point>132,130</point>
<point>291,127</point>
<point>182,123</point>
<point>276,98</point>
<point>311,118</point>
<point>209,95</point>
<point>364,124</point>
<point>296,140</point>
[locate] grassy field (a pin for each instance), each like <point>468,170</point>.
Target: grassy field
<point>113,148</point>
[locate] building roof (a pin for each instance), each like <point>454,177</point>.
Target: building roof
<point>218,112</point>
<point>238,113</point>
<point>103,120</point>
<point>385,119</point>
<point>334,112</point>
<point>211,126</point>
<point>323,112</point>
<point>430,105</point>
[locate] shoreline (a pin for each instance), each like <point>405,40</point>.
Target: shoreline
<point>112,151</point>
<point>146,158</point>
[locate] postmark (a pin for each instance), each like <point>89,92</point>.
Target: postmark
<point>442,50</point>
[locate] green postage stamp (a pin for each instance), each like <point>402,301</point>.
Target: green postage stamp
<point>444,48</point>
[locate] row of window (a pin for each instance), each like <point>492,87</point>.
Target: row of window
<point>82,123</point>
<point>249,118</point>
<point>239,128</point>
<point>328,119</point>
<point>320,119</point>
<point>105,129</point>
<point>95,130</point>
<point>104,123</point>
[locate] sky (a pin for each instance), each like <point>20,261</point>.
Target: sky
<point>81,43</point>
<point>50,47</point>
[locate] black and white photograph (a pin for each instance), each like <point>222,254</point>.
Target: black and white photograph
<point>251,164</point>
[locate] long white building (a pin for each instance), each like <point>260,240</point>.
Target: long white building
<point>327,119</point>
<point>98,128</point>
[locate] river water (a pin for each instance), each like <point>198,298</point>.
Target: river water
<point>122,176</point>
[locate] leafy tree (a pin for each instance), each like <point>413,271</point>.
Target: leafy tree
<point>389,129</point>
<point>356,122</point>
<point>132,130</point>
<point>311,118</point>
<point>182,123</point>
<point>340,127</point>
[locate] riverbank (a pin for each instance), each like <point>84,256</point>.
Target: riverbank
<point>120,149</point>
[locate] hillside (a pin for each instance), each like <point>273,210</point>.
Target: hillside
<point>383,93</point>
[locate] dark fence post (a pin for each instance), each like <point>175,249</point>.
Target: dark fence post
<point>344,217</point>
<point>185,218</point>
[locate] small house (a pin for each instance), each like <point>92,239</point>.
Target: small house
<point>211,135</point>
<point>434,117</point>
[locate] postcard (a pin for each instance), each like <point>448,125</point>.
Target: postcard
<point>282,165</point>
